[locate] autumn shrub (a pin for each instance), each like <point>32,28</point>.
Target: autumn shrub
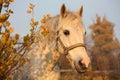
<point>12,47</point>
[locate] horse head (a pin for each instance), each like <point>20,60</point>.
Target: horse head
<point>71,34</point>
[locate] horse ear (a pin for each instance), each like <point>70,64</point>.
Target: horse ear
<point>80,11</point>
<point>63,11</point>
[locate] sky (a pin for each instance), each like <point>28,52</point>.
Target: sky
<point>109,8</point>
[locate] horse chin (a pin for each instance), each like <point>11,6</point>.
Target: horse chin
<point>79,68</point>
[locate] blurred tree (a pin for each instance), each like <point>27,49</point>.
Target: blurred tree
<point>104,44</point>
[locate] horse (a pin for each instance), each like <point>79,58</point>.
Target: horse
<point>66,36</point>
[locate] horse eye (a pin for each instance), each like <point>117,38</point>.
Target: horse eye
<point>66,32</point>
<point>85,33</point>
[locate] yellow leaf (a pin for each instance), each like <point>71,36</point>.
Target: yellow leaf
<point>46,30</point>
<point>0,24</point>
<point>48,15</point>
<point>43,21</point>
<point>45,17</point>
<point>16,36</point>
<point>42,27</point>
<point>26,38</point>
<point>11,0</point>
<point>32,24</point>
<point>3,17</point>
<point>10,11</point>
<point>11,30</point>
<point>36,23</point>
<point>31,6</point>
<point>29,11</point>
<point>32,20</point>
<point>7,23</point>
<point>44,33</point>
<point>1,1</point>
<point>9,41</point>
<point>4,39</point>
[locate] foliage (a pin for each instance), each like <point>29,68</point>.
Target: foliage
<point>103,36</point>
<point>44,29</point>
<point>12,51</point>
<point>105,49</point>
<point>28,40</point>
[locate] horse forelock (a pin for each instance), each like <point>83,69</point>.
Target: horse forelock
<point>71,17</point>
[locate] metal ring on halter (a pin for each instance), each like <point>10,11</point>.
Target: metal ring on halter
<point>67,49</point>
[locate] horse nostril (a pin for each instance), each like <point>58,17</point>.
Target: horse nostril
<point>82,65</point>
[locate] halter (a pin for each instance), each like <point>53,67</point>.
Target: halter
<point>67,49</point>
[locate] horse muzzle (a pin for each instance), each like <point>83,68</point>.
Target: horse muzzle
<point>80,67</point>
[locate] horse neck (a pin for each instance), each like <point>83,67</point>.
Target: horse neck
<point>43,54</point>
<point>43,61</point>
<point>49,68</point>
